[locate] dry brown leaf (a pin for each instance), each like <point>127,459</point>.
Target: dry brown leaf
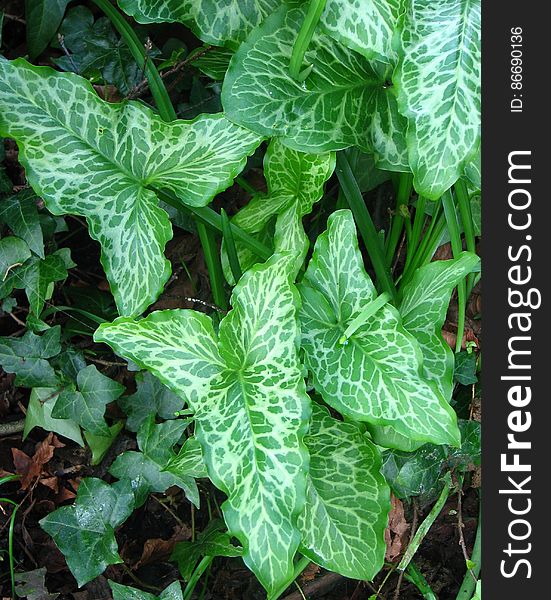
<point>397,527</point>
<point>158,550</point>
<point>31,468</point>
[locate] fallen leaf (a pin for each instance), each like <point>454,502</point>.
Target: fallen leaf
<point>397,527</point>
<point>158,550</point>
<point>309,574</point>
<point>31,468</point>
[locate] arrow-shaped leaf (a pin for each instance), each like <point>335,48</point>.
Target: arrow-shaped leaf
<point>251,409</point>
<point>438,81</point>
<point>295,183</point>
<point>423,308</point>
<point>348,499</point>
<point>215,23</point>
<point>344,101</point>
<point>376,374</point>
<point>87,157</point>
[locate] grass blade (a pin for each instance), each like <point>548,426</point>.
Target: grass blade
<point>229,242</point>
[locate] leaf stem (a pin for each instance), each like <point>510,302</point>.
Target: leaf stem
<point>315,8</point>
<point>414,575</point>
<point>231,250</point>
<point>369,310</point>
<point>464,205</point>
<point>469,582</point>
<point>457,248</point>
<point>426,525</point>
<point>211,218</point>
<point>156,85</point>
<point>199,570</point>
<point>405,183</point>
<point>365,224</point>
<point>212,260</point>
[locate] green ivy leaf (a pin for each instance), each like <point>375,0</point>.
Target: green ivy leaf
<point>151,397</point>
<point>85,531</point>
<point>13,253</point>
<point>124,592</point>
<point>43,18</point>
<point>20,214</point>
<point>295,183</point>
<point>95,47</point>
<point>423,308</point>
<point>251,409</point>
<point>438,81</point>
<point>213,541</point>
<point>376,376</point>
<point>366,27</point>
<point>465,368</point>
<point>226,21</point>
<point>27,357</point>
<point>36,277</point>
<point>145,469</point>
<point>348,500</point>
<point>100,444</point>
<point>86,406</point>
<point>87,157</point>
<point>39,414</point>
<point>259,93</point>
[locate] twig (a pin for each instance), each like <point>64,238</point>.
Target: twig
<point>106,363</point>
<point>12,427</point>
<point>139,89</point>
<point>320,586</point>
<point>15,18</point>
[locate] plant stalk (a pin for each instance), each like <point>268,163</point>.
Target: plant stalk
<point>304,37</point>
<point>365,225</point>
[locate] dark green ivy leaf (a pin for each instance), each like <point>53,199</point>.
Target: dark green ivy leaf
<point>86,406</point>
<point>144,469</point>
<point>43,18</point>
<point>124,592</point>
<point>213,541</point>
<point>96,48</point>
<point>32,586</point>
<point>465,368</point>
<point>27,357</point>
<point>19,212</point>
<point>151,397</point>
<point>85,531</point>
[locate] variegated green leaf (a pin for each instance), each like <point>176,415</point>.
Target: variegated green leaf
<point>295,183</point>
<point>87,157</point>
<point>344,101</point>
<point>348,499</point>
<point>214,21</point>
<point>473,171</point>
<point>438,82</point>
<point>423,308</point>
<point>376,375</point>
<point>251,409</point>
<point>366,26</point>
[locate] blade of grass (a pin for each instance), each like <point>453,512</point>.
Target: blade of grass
<point>10,542</point>
<point>365,224</point>
<point>212,260</point>
<point>457,247</point>
<point>405,183</point>
<point>418,224</point>
<point>199,570</point>
<point>231,250</point>
<point>426,524</point>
